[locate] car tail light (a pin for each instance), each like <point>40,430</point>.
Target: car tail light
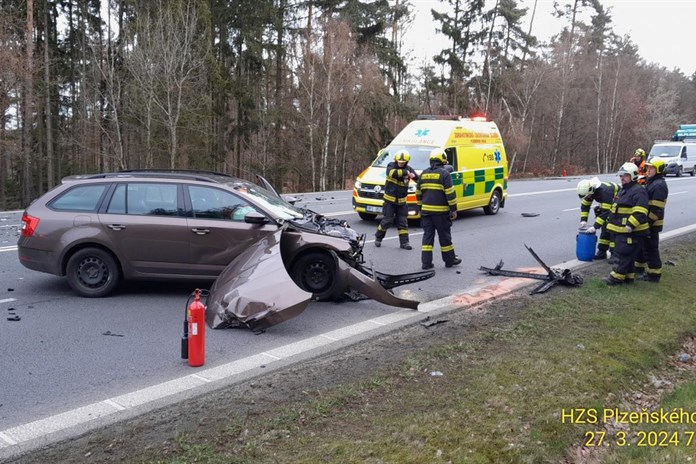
<point>29,225</point>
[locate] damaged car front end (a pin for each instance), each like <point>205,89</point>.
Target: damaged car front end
<point>310,256</point>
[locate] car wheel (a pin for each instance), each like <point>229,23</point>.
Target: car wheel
<point>679,172</point>
<point>367,216</point>
<point>315,272</point>
<point>693,171</point>
<point>92,273</point>
<point>494,204</point>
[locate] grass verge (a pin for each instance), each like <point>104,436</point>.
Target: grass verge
<point>500,393</point>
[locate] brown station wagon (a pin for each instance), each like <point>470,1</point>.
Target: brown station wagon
<point>152,225</point>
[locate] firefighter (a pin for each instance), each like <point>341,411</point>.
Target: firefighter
<point>639,160</point>
<point>657,199</point>
<point>438,206</point>
<point>629,223</point>
<point>603,193</point>
<point>399,174</point>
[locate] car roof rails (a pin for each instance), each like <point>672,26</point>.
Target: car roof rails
<point>204,176</point>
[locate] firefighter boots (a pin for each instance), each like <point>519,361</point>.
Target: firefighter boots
<point>455,262</point>
<point>406,246</point>
<point>611,281</point>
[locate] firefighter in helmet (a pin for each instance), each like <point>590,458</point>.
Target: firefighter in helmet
<point>648,262</point>
<point>629,223</point>
<point>589,191</point>
<point>639,160</point>
<point>399,174</point>
<point>438,205</point>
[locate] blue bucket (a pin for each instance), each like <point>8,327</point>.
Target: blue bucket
<point>586,244</point>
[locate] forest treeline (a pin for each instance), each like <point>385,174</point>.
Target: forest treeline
<point>307,91</point>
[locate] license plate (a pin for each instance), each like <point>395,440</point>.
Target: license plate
<point>373,209</point>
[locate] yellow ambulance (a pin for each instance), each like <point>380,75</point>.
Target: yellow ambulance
<point>474,149</point>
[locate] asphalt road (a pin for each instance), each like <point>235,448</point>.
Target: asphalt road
<point>68,351</point>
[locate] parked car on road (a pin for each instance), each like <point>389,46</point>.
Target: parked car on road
<point>98,230</point>
<point>680,157</point>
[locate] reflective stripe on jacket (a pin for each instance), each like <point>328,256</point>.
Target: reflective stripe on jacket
<point>657,200</point>
<point>604,195</point>
<point>630,209</point>
<point>396,186</point>
<point>435,192</point>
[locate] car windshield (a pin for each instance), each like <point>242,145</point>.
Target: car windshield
<point>280,208</point>
<point>664,151</point>
<point>420,156</point>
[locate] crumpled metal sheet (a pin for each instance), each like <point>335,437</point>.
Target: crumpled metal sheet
<point>255,290</point>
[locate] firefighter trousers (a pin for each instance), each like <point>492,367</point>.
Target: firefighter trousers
<point>648,259</point>
<point>442,224</point>
<point>626,251</point>
<point>394,213</point>
<point>606,240</point>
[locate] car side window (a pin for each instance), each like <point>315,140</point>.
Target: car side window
<point>683,153</point>
<point>117,205</point>
<point>80,198</point>
<point>145,199</point>
<point>212,203</point>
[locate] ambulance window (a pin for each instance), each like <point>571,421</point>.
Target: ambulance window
<point>452,156</point>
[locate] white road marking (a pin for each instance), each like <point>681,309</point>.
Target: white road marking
<point>8,248</point>
<point>570,209</point>
<point>7,300</point>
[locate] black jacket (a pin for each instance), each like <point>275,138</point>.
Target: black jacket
<point>657,200</point>
<point>435,192</point>
<point>604,195</point>
<point>630,209</point>
<point>396,186</point>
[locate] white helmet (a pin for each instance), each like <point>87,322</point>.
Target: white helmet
<point>585,187</point>
<point>629,168</point>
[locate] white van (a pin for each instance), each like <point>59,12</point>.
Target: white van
<point>680,157</point>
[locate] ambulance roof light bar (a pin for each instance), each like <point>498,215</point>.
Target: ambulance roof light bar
<point>445,117</point>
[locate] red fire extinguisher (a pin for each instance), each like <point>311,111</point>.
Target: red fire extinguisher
<point>193,342</point>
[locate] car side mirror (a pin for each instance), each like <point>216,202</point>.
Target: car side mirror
<point>290,199</point>
<point>254,217</point>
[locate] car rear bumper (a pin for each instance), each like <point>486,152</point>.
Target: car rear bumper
<point>39,260</point>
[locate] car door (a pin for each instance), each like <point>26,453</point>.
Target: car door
<point>217,231</point>
<point>145,224</point>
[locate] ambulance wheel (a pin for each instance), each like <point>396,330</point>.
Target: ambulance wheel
<point>494,204</point>
<point>367,216</point>
<point>93,272</point>
<point>315,272</point>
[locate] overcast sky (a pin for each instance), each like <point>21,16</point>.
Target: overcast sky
<point>663,30</point>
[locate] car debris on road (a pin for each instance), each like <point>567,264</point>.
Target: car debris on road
<point>551,278</point>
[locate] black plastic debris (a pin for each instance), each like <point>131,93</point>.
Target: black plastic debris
<point>10,289</point>
<point>110,334</point>
<point>429,323</point>
<point>551,278</point>
<point>530,214</point>
<point>14,318</point>
<point>670,263</point>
